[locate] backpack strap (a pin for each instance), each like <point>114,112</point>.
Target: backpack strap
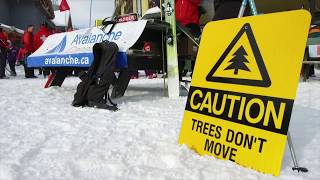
<point>106,23</point>
<point>110,101</point>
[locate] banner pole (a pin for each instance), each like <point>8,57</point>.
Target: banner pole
<point>90,13</point>
<point>289,140</point>
<point>65,21</point>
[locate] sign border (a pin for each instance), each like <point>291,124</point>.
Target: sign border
<point>265,82</point>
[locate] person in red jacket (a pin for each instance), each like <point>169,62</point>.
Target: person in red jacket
<point>3,53</point>
<point>3,39</point>
<point>39,38</point>
<point>21,56</point>
<point>188,15</point>
<point>27,41</point>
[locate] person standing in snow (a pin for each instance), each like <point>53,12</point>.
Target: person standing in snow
<point>3,53</point>
<point>188,15</point>
<point>226,9</point>
<point>39,38</point>
<point>11,58</point>
<point>27,41</point>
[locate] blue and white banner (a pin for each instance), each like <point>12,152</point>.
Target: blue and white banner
<point>74,49</point>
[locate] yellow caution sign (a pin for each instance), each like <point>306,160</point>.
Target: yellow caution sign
<point>98,22</point>
<point>243,88</point>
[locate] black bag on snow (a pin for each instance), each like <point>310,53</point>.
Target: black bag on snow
<point>93,89</point>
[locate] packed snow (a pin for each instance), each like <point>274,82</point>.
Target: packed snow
<point>43,137</point>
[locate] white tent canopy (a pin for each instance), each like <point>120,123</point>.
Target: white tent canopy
<point>11,28</point>
<point>74,49</point>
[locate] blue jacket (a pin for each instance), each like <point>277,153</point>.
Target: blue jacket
<point>12,54</point>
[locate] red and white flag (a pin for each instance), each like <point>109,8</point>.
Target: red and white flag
<point>69,27</point>
<point>64,6</point>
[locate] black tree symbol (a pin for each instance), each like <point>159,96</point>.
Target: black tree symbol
<point>238,61</point>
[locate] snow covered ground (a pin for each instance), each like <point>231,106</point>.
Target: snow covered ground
<point>43,137</point>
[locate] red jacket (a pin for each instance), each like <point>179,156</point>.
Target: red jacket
<point>21,54</point>
<point>187,11</point>
<point>40,36</point>
<point>27,41</point>
<point>3,40</point>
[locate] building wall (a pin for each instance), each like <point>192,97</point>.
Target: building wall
<point>25,12</point>
<point>269,6</point>
<point>4,12</point>
<point>20,13</point>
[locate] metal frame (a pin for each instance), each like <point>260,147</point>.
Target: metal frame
<point>139,7</point>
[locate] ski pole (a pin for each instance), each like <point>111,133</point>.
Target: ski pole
<point>293,156</point>
<point>242,8</point>
<point>253,7</point>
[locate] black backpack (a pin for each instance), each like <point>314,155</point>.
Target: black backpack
<point>93,89</point>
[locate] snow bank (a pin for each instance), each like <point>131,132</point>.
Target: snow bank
<point>43,137</point>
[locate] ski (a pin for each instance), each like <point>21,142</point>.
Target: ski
<point>49,81</point>
<point>172,56</point>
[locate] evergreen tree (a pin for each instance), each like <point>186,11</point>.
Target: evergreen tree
<point>238,61</point>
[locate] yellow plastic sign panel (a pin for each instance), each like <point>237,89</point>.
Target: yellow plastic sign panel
<point>98,22</point>
<point>243,88</point>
